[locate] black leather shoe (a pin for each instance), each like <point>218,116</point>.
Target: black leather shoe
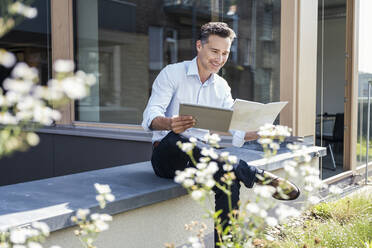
<point>285,190</point>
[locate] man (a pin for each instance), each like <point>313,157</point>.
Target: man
<point>197,82</point>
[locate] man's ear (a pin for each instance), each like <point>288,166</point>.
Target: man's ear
<point>198,45</point>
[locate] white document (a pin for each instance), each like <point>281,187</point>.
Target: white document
<point>249,116</point>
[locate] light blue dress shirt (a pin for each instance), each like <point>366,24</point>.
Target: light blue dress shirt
<point>180,83</point>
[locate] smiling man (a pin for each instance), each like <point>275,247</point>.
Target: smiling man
<point>197,82</point>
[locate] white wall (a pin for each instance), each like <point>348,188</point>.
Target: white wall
<point>334,66</point>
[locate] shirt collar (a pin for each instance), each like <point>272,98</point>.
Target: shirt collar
<point>193,70</point>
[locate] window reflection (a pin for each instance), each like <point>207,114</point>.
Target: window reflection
<point>29,41</point>
<point>127,43</point>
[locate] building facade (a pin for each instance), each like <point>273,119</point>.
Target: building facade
<point>278,55</point>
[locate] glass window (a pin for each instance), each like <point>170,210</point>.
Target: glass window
<point>127,43</point>
<point>30,41</point>
<point>364,76</point>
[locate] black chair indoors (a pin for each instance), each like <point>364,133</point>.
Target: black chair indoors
<point>336,138</point>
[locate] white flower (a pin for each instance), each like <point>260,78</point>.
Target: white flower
<point>212,168</point>
<point>180,177</point>
<point>232,159</point>
<point>28,103</point>
<point>212,139</point>
<point>109,197</point>
<point>227,167</point>
<point>73,88</point>
<point>193,239</point>
<point>290,170</point>
<point>12,97</point>
<point>18,236</point>
<point>4,245</point>
<point>45,115</point>
<point>102,188</point>
<point>309,188</point>
<point>264,141</point>
<point>32,244</point>
<point>19,246</point>
<point>333,189</point>
<point>100,198</point>
<point>18,86</point>
<point>30,13</point>
<point>204,159</point>
<point>197,245</point>
<point>264,191</point>
<point>22,70</point>
<point>201,166</point>
<point>224,155</point>
<point>106,217</point>
<point>88,79</point>
<point>209,152</point>
<point>210,183</point>
<point>82,213</point>
<point>197,194</point>
<point>274,146</point>
<point>64,66</point>
<point>188,183</point>
<point>20,8</point>
<point>7,59</point>
<point>252,208</point>
<point>262,213</point>
<point>44,228</point>
<point>7,119</point>
<point>101,225</point>
<point>271,221</point>
<point>187,147</point>
<point>190,172</point>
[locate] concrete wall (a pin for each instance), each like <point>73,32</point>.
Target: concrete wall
<point>156,224</point>
<point>58,155</point>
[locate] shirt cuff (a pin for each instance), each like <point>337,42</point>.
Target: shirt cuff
<point>238,138</point>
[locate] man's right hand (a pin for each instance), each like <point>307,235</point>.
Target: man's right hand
<point>181,123</point>
<point>177,124</point>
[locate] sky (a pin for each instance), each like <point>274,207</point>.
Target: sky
<point>365,36</point>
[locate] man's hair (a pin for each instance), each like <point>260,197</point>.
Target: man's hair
<point>220,29</point>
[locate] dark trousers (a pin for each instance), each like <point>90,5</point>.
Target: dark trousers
<point>167,158</point>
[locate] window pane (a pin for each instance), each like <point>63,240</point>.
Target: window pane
<point>127,43</point>
<point>30,41</point>
<point>365,75</point>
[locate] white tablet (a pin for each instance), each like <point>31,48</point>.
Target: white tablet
<point>211,118</point>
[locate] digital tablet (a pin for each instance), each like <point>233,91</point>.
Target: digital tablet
<point>211,118</point>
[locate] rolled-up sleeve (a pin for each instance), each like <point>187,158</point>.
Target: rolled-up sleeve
<point>161,95</point>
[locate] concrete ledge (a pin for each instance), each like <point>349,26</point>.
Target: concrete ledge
<point>55,200</point>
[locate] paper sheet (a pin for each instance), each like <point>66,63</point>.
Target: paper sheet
<point>249,116</point>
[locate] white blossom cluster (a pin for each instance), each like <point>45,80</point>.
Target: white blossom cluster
<point>21,9</point>
<point>212,139</point>
<point>271,136</point>
<point>200,178</point>
<point>104,194</point>
<point>264,211</point>
<point>91,225</point>
<point>25,237</point>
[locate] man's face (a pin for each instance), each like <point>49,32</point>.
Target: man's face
<point>213,54</point>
